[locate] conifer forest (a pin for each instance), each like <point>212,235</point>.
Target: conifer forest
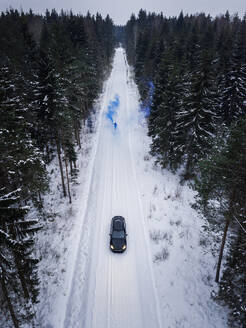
<point>52,69</point>
<point>191,75</point>
<point>190,72</point>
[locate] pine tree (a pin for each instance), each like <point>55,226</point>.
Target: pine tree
<point>18,267</point>
<point>163,144</point>
<point>233,86</point>
<point>7,274</point>
<point>131,39</point>
<point>196,119</point>
<point>48,85</point>
<point>160,84</point>
<point>232,284</point>
<point>21,163</point>
<point>141,54</point>
<point>221,185</point>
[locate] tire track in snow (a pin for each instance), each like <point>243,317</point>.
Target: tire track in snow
<point>110,276</point>
<point>106,183</point>
<point>103,215</point>
<point>110,258</point>
<point>82,261</point>
<point>156,307</point>
<point>116,290</point>
<point>93,321</point>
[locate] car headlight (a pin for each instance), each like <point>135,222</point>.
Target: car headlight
<point>111,246</point>
<point>124,247</point>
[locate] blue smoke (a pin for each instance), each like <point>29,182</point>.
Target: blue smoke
<point>112,108</point>
<point>146,104</point>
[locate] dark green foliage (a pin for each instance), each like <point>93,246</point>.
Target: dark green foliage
<point>165,105</point>
<point>222,193</point>
<point>232,87</point>
<point>119,33</point>
<point>21,163</point>
<point>232,287</point>
<point>223,173</point>
<point>197,115</point>
<point>197,118</point>
<point>51,70</point>
<point>208,60</point>
<point>18,266</point>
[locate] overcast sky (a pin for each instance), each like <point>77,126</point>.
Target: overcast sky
<point>120,10</point>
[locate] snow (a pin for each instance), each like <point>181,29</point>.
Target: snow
<point>107,289</point>
<point>59,239</point>
<point>165,277</point>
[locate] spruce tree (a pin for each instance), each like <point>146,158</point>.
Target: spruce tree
<point>221,185</point>
<point>163,144</point>
<point>48,85</point>
<point>160,84</point>
<point>18,267</point>
<point>232,286</point>
<point>232,87</point>
<point>196,119</point>
<point>21,162</point>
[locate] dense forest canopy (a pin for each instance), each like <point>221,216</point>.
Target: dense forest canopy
<point>191,74</point>
<point>51,70</point>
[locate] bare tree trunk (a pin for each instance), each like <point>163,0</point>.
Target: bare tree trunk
<point>75,132</point>
<point>61,169</point>
<point>187,174</point>
<point>228,220</point>
<point>222,249</point>
<point>40,199</point>
<point>68,186</point>
<point>71,167</point>
<point>77,137</point>
<point>47,152</point>
<point>22,277</point>
<point>10,306</point>
<point>79,140</point>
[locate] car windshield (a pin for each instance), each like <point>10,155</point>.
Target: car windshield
<point>118,234</point>
<point>118,225</point>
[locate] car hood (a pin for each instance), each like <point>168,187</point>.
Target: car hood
<point>118,243</point>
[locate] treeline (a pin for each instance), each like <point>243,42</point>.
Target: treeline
<point>191,74</point>
<point>51,70</point>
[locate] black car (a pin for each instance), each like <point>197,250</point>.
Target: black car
<point>118,234</point>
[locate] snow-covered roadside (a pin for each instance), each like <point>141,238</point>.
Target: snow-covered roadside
<point>184,265</point>
<point>59,239</point>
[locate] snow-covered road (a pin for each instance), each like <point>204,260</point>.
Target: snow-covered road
<point>107,289</point>
<point>165,277</point>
